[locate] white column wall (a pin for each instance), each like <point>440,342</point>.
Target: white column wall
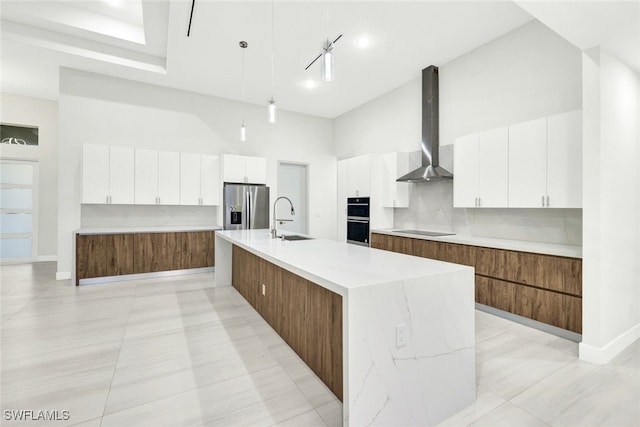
<point>611,193</point>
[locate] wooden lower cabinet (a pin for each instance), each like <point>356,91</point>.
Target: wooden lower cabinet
<point>102,255</point>
<point>545,288</point>
<point>307,316</point>
<point>496,293</point>
<point>106,255</point>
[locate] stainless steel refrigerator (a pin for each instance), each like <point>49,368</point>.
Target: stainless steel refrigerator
<point>246,206</point>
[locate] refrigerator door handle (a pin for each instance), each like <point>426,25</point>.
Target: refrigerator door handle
<point>248,210</point>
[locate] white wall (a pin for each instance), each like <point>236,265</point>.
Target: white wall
<point>611,242</point>
<point>100,109</point>
<point>43,113</point>
<point>529,73</point>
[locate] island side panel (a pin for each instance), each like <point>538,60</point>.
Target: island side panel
<point>430,378</point>
<point>222,261</point>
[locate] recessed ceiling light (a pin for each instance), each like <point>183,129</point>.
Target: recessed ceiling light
<point>363,42</point>
<point>310,84</point>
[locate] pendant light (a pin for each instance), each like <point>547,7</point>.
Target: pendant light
<point>272,108</point>
<point>327,61</point>
<point>243,129</point>
<point>327,55</point>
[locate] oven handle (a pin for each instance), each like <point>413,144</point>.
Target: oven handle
<point>362,221</point>
<point>357,204</point>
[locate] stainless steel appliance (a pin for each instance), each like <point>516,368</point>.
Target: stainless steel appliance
<point>430,171</point>
<point>358,220</point>
<point>246,206</point>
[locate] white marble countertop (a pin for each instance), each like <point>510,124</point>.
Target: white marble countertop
<point>153,229</point>
<point>337,266</point>
<point>488,242</point>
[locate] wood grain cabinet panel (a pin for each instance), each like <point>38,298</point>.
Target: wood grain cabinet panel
<point>496,293</point>
<point>323,314</point>
<point>426,249</point>
<point>271,307</point>
<point>541,305</point>
<point>197,249</point>
<point>380,241</point>
<point>572,276</point>
<point>90,256</point>
<point>157,252</point>
<point>307,316</point>
<point>120,256</point>
<point>545,288</point>
<point>572,312</point>
<point>458,254</point>
<point>103,255</point>
<point>294,296</point>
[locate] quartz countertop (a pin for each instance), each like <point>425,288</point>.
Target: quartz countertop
<point>488,242</point>
<point>338,266</point>
<point>147,229</point>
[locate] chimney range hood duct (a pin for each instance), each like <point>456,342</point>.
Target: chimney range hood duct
<point>430,171</point>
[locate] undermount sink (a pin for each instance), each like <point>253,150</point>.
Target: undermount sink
<point>295,237</point>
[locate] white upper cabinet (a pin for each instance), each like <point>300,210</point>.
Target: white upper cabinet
<point>395,194</point>
<point>481,169</point>
<point>107,174</point>
<point>256,170</point>
<point>532,164</point>
<point>359,176</point>
<point>493,169</point>
<point>157,176</point>
<point>146,176</point>
<point>465,171</point>
<point>121,175</point>
<point>528,164</point>
<point>564,160</point>
<point>95,173</point>
<point>168,178</point>
<point>190,179</point>
<point>210,180</point>
<point>244,169</point>
<point>545,162</point>
<point>199,179</point>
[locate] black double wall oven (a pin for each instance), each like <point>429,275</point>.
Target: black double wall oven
<point>358,220</point>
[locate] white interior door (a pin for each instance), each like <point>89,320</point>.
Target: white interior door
<point>292,183</point>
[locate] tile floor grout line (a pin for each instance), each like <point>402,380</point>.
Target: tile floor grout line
<point>115,366</point>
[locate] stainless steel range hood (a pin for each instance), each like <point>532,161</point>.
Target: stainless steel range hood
<point>430,171</point>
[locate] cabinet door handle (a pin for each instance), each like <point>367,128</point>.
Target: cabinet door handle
<point>547,201</point>
<point>543,201</point>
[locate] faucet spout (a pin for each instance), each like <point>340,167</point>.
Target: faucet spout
<point>274,230</point>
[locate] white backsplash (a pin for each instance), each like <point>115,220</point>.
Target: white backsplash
<point>431,208</point>
<point>146,216</point>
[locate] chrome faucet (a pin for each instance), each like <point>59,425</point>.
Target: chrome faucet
<point>274,230</point>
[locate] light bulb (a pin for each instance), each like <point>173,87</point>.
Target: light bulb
<point>272,109</point>
<point>243,133</point>
<point>327,62</point>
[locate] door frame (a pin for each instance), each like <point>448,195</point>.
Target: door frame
<point>306,166</point>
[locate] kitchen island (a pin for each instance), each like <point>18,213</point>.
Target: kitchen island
<point>406,323</point>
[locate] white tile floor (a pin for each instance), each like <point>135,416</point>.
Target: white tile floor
<point>178,351</point>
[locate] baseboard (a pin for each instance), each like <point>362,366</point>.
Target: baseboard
<point>604,355</point>
<point>63,275</point>
<point>46,258</point>
<point>553,330</point>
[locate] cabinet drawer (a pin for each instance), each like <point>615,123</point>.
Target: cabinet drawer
<point>496,293</point>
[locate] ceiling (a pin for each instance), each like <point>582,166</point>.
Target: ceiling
<point>145,40</point>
